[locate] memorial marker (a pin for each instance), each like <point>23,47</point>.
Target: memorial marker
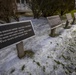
<point>54,22</point>
<point>70,20</point>
<point>75,17</point>
<point>14,32</point>
<point>20,49</point>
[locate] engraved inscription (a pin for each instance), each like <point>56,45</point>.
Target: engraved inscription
<point>15,33</point>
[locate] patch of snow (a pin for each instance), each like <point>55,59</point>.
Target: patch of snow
<point>53,55</point>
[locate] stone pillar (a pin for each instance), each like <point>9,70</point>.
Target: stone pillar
<point>52,32</point>
<point>20,49</point>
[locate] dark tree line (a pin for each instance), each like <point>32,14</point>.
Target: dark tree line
<point>7,10</point>
<point>51,7</point>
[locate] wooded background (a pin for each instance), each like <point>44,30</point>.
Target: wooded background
<point>8,8</point>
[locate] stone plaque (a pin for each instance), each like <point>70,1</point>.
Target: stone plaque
<point>69,17</point>
<point>75,15</point>
<point>54,20</point>
<point>13,32</point>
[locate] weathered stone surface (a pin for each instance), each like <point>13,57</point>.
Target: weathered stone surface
<point>20,49</point>
<point>54,20</point>
<point>69,18</point>
<point>75,15</point>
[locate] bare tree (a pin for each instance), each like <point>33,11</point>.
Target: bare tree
<point>8,9</point>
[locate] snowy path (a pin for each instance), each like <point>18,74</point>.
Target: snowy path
<point>53,56</point>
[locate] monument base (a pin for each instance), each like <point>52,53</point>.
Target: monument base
<point>20,49</point>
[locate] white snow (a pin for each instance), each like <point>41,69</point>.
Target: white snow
<point>53,55</point>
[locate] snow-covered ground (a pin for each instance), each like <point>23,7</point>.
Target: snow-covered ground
<point>53,55</point>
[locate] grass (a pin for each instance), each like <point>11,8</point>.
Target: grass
<point>29,73</point>
<point>72,12</point>
<point>23,67</point>
<point>58,62</point>
<point>48,56</point>
<point>44,68</point>
<point>64,57</point>
<point>38,63</point>
<point>26,14</point>
<point>50,42</point>
<point>63,17</point>
<point>55,35</point>
<point>71,49</point>
<point>68,27</point>
<point>57,43</point>
<point>66,72</point>
<point>55,67</point>
<point>29,53</point>
<point>12,71</point>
